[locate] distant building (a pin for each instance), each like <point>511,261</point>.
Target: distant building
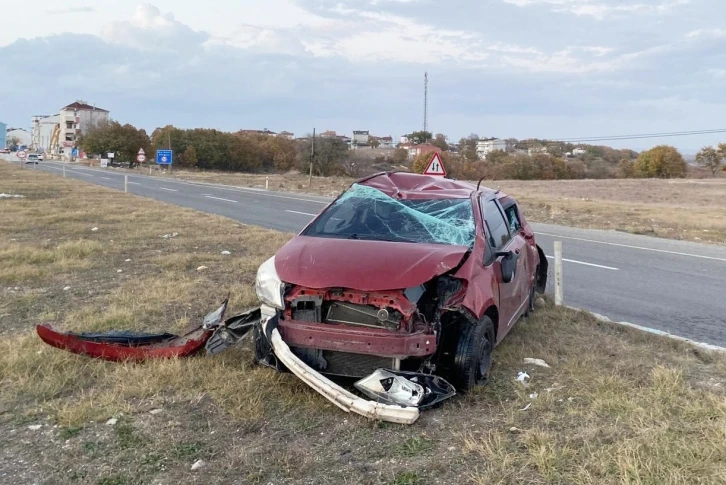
<point>384,141</point>
<point>259,132</point>
<point>42,133</point>
<point>487,145</point>
<point>22,135</point>
<point>75,120</point>
<point>286,134</point>
<point>329,134</point>
<point>3,135</point>
<point>536,149</point>
<point>416,150</point>
<point>404,140</point>
<point>361,138</point>
<point>578,152</point>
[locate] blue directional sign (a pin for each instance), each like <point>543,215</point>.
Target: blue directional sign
<point>164,157</point>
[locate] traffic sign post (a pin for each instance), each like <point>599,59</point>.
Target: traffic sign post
<point>164,157</point>
<point>141,156</point>
<point>21,156</point>
<point>435,166</point>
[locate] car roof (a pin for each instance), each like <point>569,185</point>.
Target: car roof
<point>408,185</point>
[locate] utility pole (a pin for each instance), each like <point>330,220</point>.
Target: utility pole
<point>168,139</point>
<point>312,154</point>
<point>426,103</point>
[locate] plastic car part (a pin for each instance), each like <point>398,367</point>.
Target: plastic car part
<point>345,400</point>
<point>233,331</point>
<point>406,388</point>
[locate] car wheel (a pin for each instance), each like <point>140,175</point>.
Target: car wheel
<point>473,357</point>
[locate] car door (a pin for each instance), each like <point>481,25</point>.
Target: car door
<point>500,240</point>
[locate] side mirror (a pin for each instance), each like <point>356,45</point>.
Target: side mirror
<point>508,265</point>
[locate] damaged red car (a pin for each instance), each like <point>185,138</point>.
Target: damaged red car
<point>405,272</point>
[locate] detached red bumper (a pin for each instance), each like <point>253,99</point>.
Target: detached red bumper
<point>382,343</point>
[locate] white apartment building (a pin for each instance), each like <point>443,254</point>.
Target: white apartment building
<point>76,119</point>
<point>487,145</point>
<point>43,127</point>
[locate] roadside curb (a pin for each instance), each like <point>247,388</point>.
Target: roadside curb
<point>661,333</point>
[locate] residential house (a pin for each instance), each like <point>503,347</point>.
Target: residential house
<point>416,150</point>
<point>404,140</point>
<point>361,138</point>
<point>329,134</point>
<point>258,132</point>
<point>75,120</point>
<point>487,145</point>
<point>384,141</point>
<point>577,152</point>
<point>536,149</point>
<point>287,134</point>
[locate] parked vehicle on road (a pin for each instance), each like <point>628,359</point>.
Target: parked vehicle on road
<point>34,158</point>
<point>405,272</point>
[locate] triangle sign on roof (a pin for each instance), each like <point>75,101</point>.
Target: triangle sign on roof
<point>435,166</point>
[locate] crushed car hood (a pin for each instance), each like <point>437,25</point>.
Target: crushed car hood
<point>316,262</point>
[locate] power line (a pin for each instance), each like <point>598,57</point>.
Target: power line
<point>642,136</point>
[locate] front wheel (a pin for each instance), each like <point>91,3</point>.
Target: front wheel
<point>473,357</point>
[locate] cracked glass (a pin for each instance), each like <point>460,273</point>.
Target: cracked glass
<point>367,213</point>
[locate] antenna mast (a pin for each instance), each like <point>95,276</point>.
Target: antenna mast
<point>426,102</point>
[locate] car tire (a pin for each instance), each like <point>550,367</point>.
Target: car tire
<point>473,357</point>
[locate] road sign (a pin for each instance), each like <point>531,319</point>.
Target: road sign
<point>435,166</point>
<point>21,154</point>
<point>141,158</point>
<point>164,157</point>
<point>111,155</point>
<point>104,163</point>
<point>141,152</point>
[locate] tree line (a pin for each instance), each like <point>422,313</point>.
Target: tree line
<point>242,151</point>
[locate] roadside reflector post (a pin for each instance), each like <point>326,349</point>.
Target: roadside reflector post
<point>149,169</point>
<point>126,183</point>
<point>267,183</point>
<point>559,291</point>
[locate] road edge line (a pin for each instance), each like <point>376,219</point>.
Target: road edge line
<point>654,331</point>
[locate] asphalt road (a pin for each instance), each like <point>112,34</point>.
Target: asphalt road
<point>674,286</point>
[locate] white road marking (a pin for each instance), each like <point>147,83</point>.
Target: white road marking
<point>302,213</point>
<point>84,174</point>
<point>219,198</point>
<point>586,264</point>
<point>134,183</point>
<point>170,190</point>
<point>106,178</point>
<point>635,247</point>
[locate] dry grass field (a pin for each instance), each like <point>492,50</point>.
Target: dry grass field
<point>616,406</point>
<point>691,209</point>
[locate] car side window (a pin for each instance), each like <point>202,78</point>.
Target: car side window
<point>497,228</point>
<point>513,219</point>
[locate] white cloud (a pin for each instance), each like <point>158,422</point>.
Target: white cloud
<point>601,10</point>
<point>151,30</point>
<point>714,33</point>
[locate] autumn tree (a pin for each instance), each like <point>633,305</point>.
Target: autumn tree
<point>496,157</point>
<point>709,158</point>
<point>328,158</point>
<point>626,169</point>
<point>421,161</point>
<point>400,156</point>
<point>440,142</point>
<point>662,161</point>
<point>123,140</point>
<point>189,158</point>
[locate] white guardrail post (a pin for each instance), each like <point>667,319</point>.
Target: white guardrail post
<point>267,183</point>
<point>126,184</point>
<point>559,291</point>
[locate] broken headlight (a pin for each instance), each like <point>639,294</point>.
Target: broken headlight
<point>268,285</point>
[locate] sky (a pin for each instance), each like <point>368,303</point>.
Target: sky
<point>498,68</point>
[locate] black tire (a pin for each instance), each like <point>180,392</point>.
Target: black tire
<point>473,357</point>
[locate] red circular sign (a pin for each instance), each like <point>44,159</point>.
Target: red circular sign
<point>140,158</point>
<point>21,154</point>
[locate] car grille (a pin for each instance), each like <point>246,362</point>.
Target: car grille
<point>342,363</point>
<point>362,315</point>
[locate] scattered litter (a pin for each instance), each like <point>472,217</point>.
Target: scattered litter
<point>570,399</point>
<point>198,464</point>
<point>526,407</point>
<point>35,427</point>
<point>94,229</point>
<point>538,362</point>
<point>513,429</point>
<point>127,261</point>
<point>522,376</point>
<point>540,302</point>
<point>169,236</point>
<point>66,288</point>
<point>533,395</point>
<point>155,411</point>
<point>226,253</point>
<point>556,388</point>
<point>119,271</point>
<point>11,196</point>
<point>452,448</point>
<point>112,422</point>
<point>202,268</point>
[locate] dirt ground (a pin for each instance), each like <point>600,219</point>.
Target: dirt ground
<point>615,406</point>
<point>691,209</point>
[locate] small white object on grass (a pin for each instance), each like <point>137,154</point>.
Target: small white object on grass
<point>526,407</point>
<point>127,261</point>
<point>119,271</point>
<point>198,464</point>
<point>112,422</point>
<point>522,376</point>
<point>11,196</point>
<point>35,427</point>
<point>155,411</point>
<point>66,288</point>
<point>538,362</point>
<point>226,253</point>
<point>533,395</point>
<point>94,229</point>
<point>202,268</point>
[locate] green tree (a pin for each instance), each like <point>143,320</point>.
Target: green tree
<point>440,142</point>
<point>419,137</point>
<point>189,158</point>
<point>662,161</point>
<point>496,157</point>
<point>12,142</point>
<point>374,143</point>
<point>709,158</point>
<point>123,140</point>
<point>328,158</point>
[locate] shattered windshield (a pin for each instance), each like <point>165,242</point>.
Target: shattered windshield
<point>367,213</point>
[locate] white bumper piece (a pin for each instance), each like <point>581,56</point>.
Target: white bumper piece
<point>345,400</point>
